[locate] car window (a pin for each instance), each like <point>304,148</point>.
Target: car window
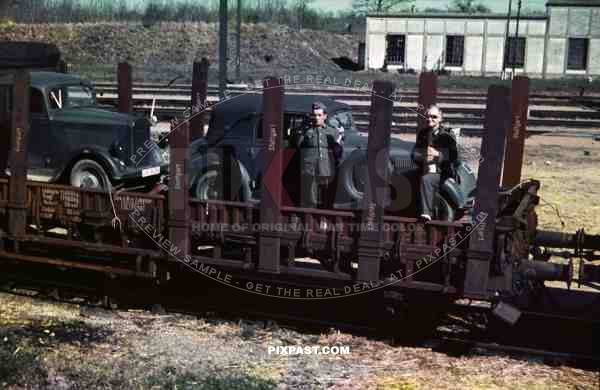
<point>69,96</point>
<point>291,122</point>
<point>36,101</point>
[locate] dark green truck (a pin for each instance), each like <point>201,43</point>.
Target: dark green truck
<point>73,139</point>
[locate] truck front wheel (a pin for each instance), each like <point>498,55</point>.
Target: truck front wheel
<point>89,174</point>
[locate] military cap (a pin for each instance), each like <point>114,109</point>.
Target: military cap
<point>319,106</point>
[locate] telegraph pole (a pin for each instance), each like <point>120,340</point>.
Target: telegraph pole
<point>222,48</point>
<point>516,36</point>
<point>238,39</point>
<point>507,39</point>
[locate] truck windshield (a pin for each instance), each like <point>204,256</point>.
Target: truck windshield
<point>71,96</point>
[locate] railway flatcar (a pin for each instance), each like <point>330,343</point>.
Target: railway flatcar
<point>259,248</point>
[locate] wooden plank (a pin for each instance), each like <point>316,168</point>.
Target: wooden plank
<point>270,207</point>
<point>377,187</point>
<point>481,240</point>
<point>515,140</point>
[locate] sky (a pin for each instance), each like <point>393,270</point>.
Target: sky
<point>495,5</point>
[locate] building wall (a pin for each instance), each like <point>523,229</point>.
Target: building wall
<point>572,22</point>
<point>546,47</point>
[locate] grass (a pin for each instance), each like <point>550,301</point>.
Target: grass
<point>569,179</point>
<point>171,378</point>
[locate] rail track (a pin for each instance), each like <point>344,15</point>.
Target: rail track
<point>548,114</point>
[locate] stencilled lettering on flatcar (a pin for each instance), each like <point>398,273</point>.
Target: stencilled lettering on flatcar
<point>65,202</point>
<point>131,203</point>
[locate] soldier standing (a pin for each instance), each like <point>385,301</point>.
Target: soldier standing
<point>320,148</point>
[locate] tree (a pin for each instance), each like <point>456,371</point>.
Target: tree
<point>377,6</point>
<point>469,6</point>
<point>301,8</point>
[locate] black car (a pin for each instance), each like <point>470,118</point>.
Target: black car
<point>235,135</point>
<point>74,140</point>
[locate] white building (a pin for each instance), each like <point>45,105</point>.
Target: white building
<point>564,42</point>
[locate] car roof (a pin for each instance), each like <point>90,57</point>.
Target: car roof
<point>248,103</point>
<point>47,79</point>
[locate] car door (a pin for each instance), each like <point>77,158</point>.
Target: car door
<point>239,138</point>
<point>40,150</point>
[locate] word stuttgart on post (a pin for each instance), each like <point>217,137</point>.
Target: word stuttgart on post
<point>188,260</point>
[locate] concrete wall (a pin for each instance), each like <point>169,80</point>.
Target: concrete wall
<point>546,47</point>
<point>572,22</point>
<point>426,42</point>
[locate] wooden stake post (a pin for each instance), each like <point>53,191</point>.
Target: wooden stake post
<point>515,140</point>
<point>124,87</point>
<point>376,189</point>
<point>270,206</point>
<point>428,85</point>
<point>481,240</point>
<point>199,93</point>
<point>17,183</point>
<point>179,208</point>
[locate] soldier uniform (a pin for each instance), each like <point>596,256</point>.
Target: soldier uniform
<point>318,154</point>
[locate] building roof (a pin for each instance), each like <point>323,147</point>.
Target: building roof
<point>453,15</point>
<point>573,3</point>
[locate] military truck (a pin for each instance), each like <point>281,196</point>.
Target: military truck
<point>72,139</point>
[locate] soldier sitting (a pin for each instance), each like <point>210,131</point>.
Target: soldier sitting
<point>320,148</point>
<point>436,153</point>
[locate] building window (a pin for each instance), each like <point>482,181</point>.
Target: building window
<point>515,52</point>
<point>578,53</point>
<point>395,50</point>
<point>455,47</point>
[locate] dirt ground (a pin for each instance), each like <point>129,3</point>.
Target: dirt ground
<point>64,346</point>
<point>60,346</point>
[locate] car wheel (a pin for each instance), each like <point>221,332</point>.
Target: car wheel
<point>354,176</point>
<point>89,174</point>
<point>208,187</point>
